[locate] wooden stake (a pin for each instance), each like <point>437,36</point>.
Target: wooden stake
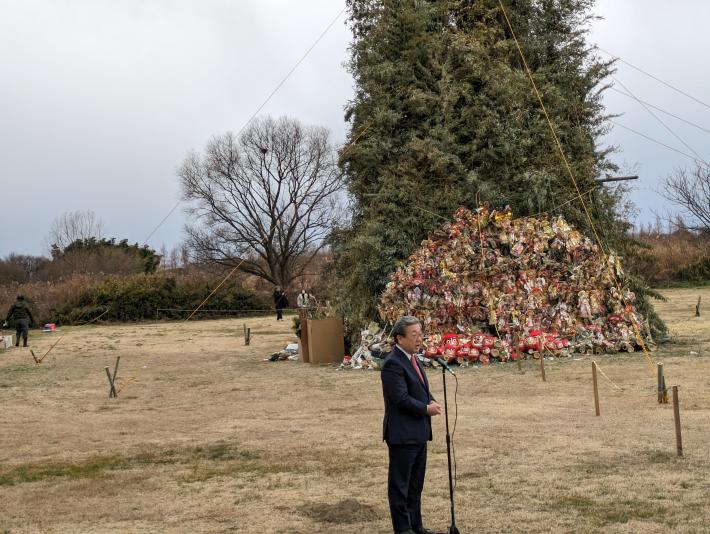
<point>662,391</point>
<point>34,357</point>
<point>676,416</point>
<point>112,390</point>
<point>697,308</point>
<point>520,367</point>
<point>542,366</point>
<point>596,388</point>
<point>247,335</point>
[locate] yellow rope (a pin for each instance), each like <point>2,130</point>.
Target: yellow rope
<point>50,349</point>
<point>571,174</point>
<point>126,382</point>
<point>609,379</point>
<point>480,235</point>
<point>215,289</point>
<point>60,337</point>
<point>95,318</point>
<point>549,122</point>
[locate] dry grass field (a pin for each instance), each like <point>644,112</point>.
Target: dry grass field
<point>205,436</point>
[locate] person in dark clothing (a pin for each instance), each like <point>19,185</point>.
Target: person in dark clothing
<point>280,302</point>
<point>21,314</point>
<point>409,407</point>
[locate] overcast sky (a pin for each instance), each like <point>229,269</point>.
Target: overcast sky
<point>100,101</point>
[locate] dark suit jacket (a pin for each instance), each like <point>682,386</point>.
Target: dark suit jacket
<point>406,421</point>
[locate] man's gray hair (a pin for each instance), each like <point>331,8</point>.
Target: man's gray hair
<point>400,327</point>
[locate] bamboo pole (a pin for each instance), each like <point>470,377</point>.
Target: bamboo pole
<point>676,416</point>
<point>247,335</point>
<point>112,390</point>
<point>596,388</point>
<point>115,370</point>
<point>662,391</point>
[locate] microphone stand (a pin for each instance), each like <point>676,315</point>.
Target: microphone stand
<point>452,527</point>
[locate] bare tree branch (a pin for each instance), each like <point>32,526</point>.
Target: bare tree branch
<point>74,225</point>
<point>691,192</point>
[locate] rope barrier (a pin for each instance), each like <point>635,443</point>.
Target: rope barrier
<point>95,318</point>
<point>216,288</point>
<point>605,376</point>
<point>251,310</point>
<point>50,349</point>
<point>125,383</point>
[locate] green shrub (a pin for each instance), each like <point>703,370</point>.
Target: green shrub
<point>697,272</point>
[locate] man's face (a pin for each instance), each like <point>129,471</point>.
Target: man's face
<point>412,339</point>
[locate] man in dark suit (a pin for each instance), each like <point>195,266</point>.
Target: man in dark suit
<point>409,406</point>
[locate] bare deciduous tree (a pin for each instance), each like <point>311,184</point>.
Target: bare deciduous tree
<point>691,192</point>
<point>21,268</point>
<point>173,258</point>
<point>74,225</point>
<point>267,198</point>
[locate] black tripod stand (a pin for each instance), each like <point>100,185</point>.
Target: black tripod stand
<point>452,527</point>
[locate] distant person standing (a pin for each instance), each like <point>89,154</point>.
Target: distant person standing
<point>280,302</point>
<point>21,314</point>
<point>303,300</point>
<point>304,305</point>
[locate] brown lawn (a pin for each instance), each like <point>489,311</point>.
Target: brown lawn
<point>208,437</point>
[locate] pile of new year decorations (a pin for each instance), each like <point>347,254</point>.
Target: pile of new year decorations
<point>490,287</point>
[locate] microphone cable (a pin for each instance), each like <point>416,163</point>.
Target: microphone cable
<point>453,428</point>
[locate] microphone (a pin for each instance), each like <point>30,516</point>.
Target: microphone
<point>441,361</point>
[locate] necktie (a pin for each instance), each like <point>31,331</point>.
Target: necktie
<point>416,368</point>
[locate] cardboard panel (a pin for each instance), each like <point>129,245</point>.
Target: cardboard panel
<point>303,342</point>
<point>325,340</point>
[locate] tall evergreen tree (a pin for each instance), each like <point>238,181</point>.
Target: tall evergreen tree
<point>444,115</point>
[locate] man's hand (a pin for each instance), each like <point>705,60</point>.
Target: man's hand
<point>4,324</point>
<point>433,408</point>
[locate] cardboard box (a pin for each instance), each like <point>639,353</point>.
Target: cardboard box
<point>325,340</point>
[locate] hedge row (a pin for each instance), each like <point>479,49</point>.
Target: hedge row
<point>137,298</point>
